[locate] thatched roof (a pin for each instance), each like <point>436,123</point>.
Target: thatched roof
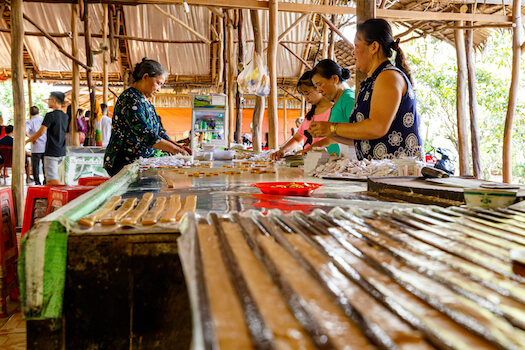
<point>143,31</point>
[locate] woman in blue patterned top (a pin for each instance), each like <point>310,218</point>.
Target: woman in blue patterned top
<point>384,122</point>
<point>137,129</point>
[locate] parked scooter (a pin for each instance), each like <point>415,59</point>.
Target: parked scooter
<point>445,162</point>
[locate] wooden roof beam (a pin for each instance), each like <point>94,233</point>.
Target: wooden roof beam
<point>388,14</point>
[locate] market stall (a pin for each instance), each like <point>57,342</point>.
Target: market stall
<point>120,281</point>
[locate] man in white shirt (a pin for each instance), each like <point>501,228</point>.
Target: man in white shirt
<point>38,147</point>
<point>105,125</point>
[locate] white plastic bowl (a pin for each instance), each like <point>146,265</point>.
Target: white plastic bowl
<point>489,198</point>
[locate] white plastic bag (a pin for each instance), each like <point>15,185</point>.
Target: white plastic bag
<point>254,79</point>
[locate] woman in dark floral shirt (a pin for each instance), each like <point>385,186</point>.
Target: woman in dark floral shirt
<point>137,130</point>
<point>384,122</point>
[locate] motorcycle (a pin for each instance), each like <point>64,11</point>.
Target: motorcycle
<point>445,162</point>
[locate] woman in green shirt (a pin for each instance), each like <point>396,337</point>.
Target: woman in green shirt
<point>328,78</point>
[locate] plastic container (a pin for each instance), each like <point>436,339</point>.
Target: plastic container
<point>276,188</point>
<point>223,155</point>
<point>489,198</point>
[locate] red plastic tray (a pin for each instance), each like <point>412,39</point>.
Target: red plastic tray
<point>272,188</point>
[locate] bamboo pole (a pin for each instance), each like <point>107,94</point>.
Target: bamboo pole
<point>239,96</point>
<point>89,76</point>
<point>184,25</point>
<point>75,76</point>
<point>213,50</point>
<point>365,9</point>
<point>461,103</point>
<point>308,45</point>
<point>258,111</point>
<point>303,107</point>
<point>473,104</point>
<point>296,56</point>
<point>273,43</point>
<point>331,43</point>
<point>105,55</point>
<point>17,71</point>
<point>232,63</point>
<point>285,124</point>
<point>29,94</point>
<point>513,93</point>
<point>221,49</point>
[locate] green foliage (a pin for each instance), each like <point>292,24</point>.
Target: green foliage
<point>434,70</point>
<point>39,94</point>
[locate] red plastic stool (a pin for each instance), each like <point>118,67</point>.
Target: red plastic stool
<point>8,251</point>
<point>92,181</point>
<point>60,196</point>
<point>36,205</point>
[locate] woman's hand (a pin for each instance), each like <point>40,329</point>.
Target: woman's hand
<point>305,150</point>
<point>277,155</point>
<point>321,129</point>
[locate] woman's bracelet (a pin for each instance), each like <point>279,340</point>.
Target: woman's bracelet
<point>333,128</point>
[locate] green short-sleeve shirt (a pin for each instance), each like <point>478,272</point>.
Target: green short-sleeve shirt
<point>340,113</point>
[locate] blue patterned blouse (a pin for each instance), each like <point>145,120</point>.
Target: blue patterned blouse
<point>402,139</point>
<point>136,128</point>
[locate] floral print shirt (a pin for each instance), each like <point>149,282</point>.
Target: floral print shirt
<point>136,128</point>
<point>402,139</point>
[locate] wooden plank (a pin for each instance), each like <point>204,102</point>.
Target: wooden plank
<point>258,111</point>
<point>513,93</point>
<point>473,103</point>
<point>17,71</point>
<point>273,42</point>
<point>75,81</point>
<point>461,102</point>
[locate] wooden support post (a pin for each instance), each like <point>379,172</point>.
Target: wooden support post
<point>17,71</point>
<point>75,92</point>
<point>513,93</point>
<point>473,103</point>
<point>29,95</point>
<point>239,97</point>
<point>461,103</point>
<point>213,50</point>
<point>221,49</point>
<point>326,37</point>
<point>258,111</point>
<point>232,68</point>
<point>365,9</point>
<point>92,91</point>
<point>105,54</point>
<point>273,43</point>
<point>285,124</point>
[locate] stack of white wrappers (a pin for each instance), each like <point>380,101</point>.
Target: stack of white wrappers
<point>353,168</point>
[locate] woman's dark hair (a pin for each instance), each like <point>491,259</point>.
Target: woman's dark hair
<point>150,67</point>
<point>377,29</point>
<point>306,80</point>
<point>328,68</point>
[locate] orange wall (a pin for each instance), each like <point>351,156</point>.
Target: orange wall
<point>178,120</point>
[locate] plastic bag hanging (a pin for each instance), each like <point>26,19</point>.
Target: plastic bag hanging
<point>254,79</point>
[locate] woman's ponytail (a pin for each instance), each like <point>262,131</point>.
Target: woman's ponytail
<point>402,64</point>
<point>311,113</point>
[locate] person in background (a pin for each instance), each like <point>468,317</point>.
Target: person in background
<point>2,126</point>
<point>137,129</point>
<point>329,79</point>
<point>38,147</point>
<point>298,122</point>
<point>105,125</point>
<point>79,123</point>
<point>7,140</point>
<point>320,112</point>
<point>55,123</point>
<point>385,122</point>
